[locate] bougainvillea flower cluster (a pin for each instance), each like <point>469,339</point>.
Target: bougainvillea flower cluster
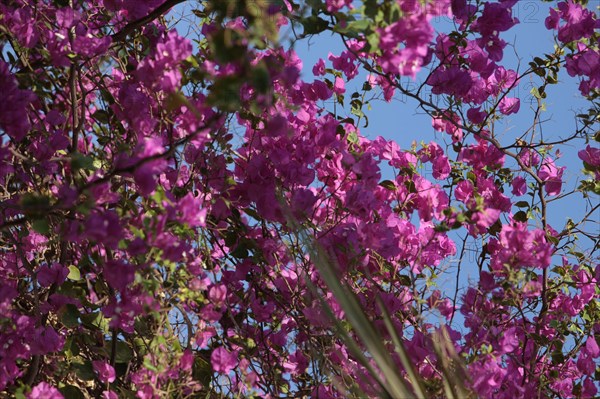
<point>164,185</point>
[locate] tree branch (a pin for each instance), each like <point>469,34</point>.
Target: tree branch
<point>132,26</point>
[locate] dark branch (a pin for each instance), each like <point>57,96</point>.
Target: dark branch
<point>132,26</point>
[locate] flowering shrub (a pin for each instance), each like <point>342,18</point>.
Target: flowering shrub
<point>189,217</point>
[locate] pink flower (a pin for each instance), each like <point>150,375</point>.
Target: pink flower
<point>319,90</point>
<point>483,155</point>
<point>55,274</point>
<point>519,186</point>
<point>453,81</point>
<point>203,337</point>
<point>441,167</point>
<point>487,377</point>
<point>118,274</point>
<point>13,113</point>
<point>335,5</point>
<point>187,360</point>
<point>277,126</point>
<point>43,390</point>
<point>476,116</point>
<point>345,62</point>
<point>319,68</point>
<point>464,191</point>
<point>217,294</point>
<point>103,227</point>
<point>338,86</point>
<point>552,20</point>
<point>303,201</point>
<point>590,155</point>
<point>519,247</point>
<point>509,341</point>
<point>109,395</point>
<point>496,17</point>
<point>483,220</point>
<point>532,289</point>
<point>46,340</point>
<point>450,123</point>
<point>529,157</point>
<point>552,176</point>
<point>584,64</point>
<point>563,387</point>
<point>591,347</point>
<point>510,105</point>
<point>223,361</point>
<point>580,22</point>
<point>160,69</point>
<point>106,372</point>
<point>589,388</point>
<point>191,210</point>
<point>144,176</point>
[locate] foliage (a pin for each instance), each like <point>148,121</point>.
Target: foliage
<point>187,217</point>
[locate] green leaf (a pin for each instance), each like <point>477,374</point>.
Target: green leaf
<point>353,29</point>
<point>373,43</point>
<point>390,185</point>
<point>35,206</point>
<point>80,161</point>
<point>252,213</point>
<point>261,79</point>
<point>202,370</point>
<point>19,393</point>
<point>225,94</point>
<point>123,352</point>
<point>241,251</point>
<point>74,273</point>
<point>226,46</point>
<point>41,226</point>
<point>496,228</point>
<point>191,59</point>
<point>148,365</point>
<point>70,316</point>
<point>71,392</point>
<point>101,116</point>
<point>520,216</point>
<point>552,239</point>
<point>352,138</point>
<point>93,320</point>
<point>589,167</point>
<point>84,370</point>
<point>314,25</point>
<point>404,280</point>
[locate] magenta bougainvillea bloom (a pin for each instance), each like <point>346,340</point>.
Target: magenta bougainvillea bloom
<point>510,106</point>
<point>552,176</point>
<point>44,390</point>
<point>13,115</point>
<point>105,371</point>
<point>519,186</point>
<point>189,209</point>
<point>590,155</point>
<point>223,361</point>
<point>517,246</point>
<point>54,274</point>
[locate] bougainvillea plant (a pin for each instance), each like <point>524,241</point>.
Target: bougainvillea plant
<point>186,216</point>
